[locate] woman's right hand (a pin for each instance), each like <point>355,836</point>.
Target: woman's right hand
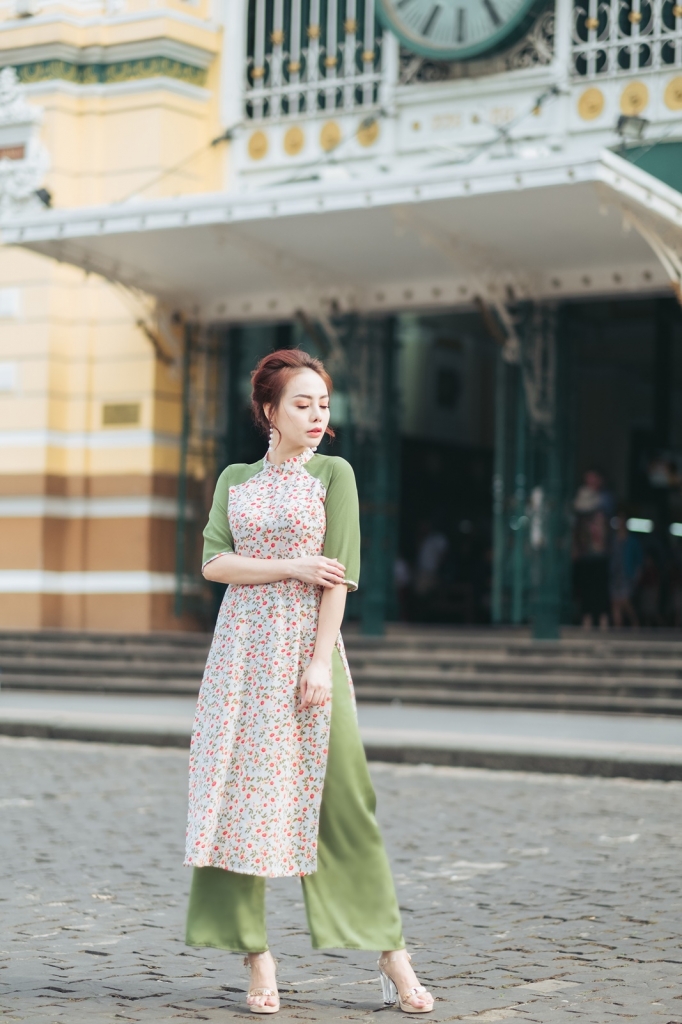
<point>318,570</point>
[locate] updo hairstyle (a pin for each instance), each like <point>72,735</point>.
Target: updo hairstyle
<point>271,376</point>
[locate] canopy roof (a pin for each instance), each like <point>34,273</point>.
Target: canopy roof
<point>541,227</point>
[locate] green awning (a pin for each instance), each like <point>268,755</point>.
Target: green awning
<point>663,160</point>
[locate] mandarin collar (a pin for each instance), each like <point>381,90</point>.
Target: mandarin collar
<point>295,462</point>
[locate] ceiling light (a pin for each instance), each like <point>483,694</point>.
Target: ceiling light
<point>640,525</point>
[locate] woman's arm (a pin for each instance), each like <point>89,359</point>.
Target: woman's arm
<point>316,681</point>
<point>316,569</point>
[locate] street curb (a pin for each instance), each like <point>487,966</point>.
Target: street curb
<point>611,768</point>
<point>548,764</point>
<point>90,734</point>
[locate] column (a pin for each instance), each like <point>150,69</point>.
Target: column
<point>380,483</point>
<point>499,496</point>
<point>540,365</point>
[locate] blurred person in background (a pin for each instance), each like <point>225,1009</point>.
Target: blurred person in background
<point>593,507</point>
<point>676,584</point>
<point>401,581</point>
<point>432,548</point>
<point>650,591</point>
<point>625,567</point>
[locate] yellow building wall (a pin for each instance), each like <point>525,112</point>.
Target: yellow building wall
<point>88,508</point>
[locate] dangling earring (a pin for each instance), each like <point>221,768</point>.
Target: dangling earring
<point>270,445</point>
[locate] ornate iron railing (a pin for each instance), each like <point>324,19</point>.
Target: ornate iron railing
<point>309,56</point>
<point>616,37</point>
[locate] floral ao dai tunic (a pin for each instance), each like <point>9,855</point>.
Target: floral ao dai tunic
<point>257,762</point>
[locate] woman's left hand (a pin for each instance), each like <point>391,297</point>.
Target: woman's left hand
<point>316,684</point>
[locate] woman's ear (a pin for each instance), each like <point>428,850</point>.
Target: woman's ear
<point>267,409</point>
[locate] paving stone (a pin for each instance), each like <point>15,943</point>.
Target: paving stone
<point>527,898</point>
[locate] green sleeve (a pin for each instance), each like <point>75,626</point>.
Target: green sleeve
<point>342,539</point>
<point>217,535</point>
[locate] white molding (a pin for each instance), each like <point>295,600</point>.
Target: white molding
<point>141,50</point>
<point>104,89</point>
<point>270,202</point>
<point>633,183</point>
<point>97,439</point>
<point>41,581</point>
<point>57,507</point>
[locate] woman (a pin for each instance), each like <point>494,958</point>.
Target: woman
<point>278,778</point>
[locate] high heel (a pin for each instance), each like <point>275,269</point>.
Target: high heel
<point>389,990</point>
<point>264,992</point>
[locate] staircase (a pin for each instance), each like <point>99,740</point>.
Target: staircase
<point>627,673</point>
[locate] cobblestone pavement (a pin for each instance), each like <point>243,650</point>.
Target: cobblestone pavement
<point>525,897</point>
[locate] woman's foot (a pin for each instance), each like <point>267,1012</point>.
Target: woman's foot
<point>262,996</point>
<point>412,997</point>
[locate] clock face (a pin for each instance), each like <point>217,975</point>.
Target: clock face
<point>454,29</point>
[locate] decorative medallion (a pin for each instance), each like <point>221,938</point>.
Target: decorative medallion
<point>294,140</point>
<point>591,104</point>
<point>368,132</point>
<point>258,145</point>
<point>330,136</point>
<point>448,31</point>
<point>673,94</point>
<point>634,98</point>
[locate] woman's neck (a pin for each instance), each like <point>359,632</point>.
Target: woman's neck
<point>283,452</point>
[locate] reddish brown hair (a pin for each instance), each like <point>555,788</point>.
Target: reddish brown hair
<point>272,375</point>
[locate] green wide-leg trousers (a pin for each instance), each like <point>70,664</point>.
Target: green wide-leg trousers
<point>350,900</point>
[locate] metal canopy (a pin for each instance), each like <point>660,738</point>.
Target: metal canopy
<point>540,228</point>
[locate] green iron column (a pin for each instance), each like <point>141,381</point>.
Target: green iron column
<point>378,485</point>
<point>181,522</point>
<point>540,366</point>
<point>234,403</point>
<point>546,597</point>
<point>499,519</point>
<point>520,518</point>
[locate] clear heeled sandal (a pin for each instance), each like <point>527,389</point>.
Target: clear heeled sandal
<point>262,992</point>
<point>391,994</point>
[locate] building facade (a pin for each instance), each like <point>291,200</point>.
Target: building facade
<point>445,202</point>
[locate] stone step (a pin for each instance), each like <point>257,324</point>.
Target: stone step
<point>487,662</point>
<point>560,701</point>
<point>386,681</point>
<point>183,685</point>
<point>409,641</point>
<point>109,658</point>
<point>380,665</point>
<point>414,665</point>
<point>382,675</point>
<point>93,665</point>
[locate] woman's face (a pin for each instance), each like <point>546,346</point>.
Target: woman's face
<point>303,413</point>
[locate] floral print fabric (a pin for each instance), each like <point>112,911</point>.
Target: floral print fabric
<point>257,762</point>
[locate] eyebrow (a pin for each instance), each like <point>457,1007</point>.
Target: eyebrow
<point>310,396</point>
